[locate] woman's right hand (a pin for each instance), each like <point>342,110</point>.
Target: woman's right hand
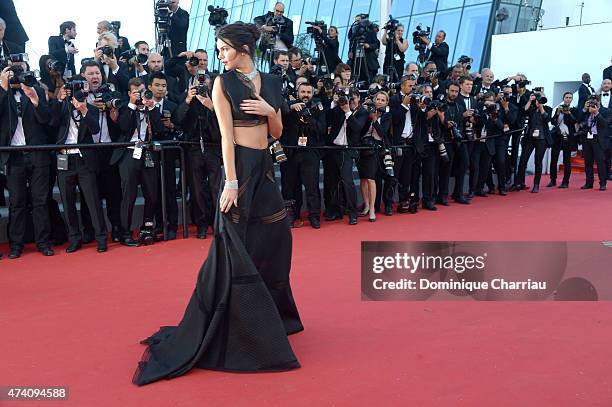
<point>228,198</point>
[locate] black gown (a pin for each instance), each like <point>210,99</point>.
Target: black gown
<point>242,308</point>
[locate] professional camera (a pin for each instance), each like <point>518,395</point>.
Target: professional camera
<point>78,89</point>
<point>28,78</point>
<point>111,98</point>
<point>491,109</point>
<point>278,22</point>
<point>391,25</point>
<point>131,53</point>
<point>55,65</point>
<point>360,29</point>
<point>419,45</point>
<point>107,50</point>
<point>14,58</point>
<point>416,98</point>
<point>590,103</point>
<point>144,94</point>
<point>311,61</point>
<point>162,16</point>
<point>564,108</point>
<point>438,105</point>
<point>388,162</point>
<point>541,99</point>
<point>328,81</point>
<point>313,24</point>
<point>456,133</point>
<point>276,149</point>
<point>193,61</point>
<point>523,84</point>
<point>115,27</point>
<point>342,96</point>
<point>466,61</point>
<point>202,89</point>
<point>218,16</point>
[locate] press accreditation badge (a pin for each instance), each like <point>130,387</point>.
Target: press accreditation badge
<point>302,141</point>
<point>483,135</point>
<point>397,57</point>
<point>536,133</point>
<point>137,151</point>
<point>506,128</point>
<point>589,136</point>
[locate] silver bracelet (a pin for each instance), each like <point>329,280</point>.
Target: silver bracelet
<point>231,184</point>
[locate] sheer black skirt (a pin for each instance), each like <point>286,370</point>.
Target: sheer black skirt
<point>242,308</point>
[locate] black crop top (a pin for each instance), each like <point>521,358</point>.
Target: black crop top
<point>237,88</point>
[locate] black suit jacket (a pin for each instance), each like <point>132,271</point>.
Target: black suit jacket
<point>570,121</point>
<point>439,55</point>
<point>57,49</point>
<point>493,127</point>
<point>120,79</point>
<point>171,107</point>
<point>128,123</point>
<point>603,127</point>
<point>179,25</point>
<point>34,120</point>
<point>14,32</point>
<point>285,36</point>
<point>583,94</point>
<point>197,121</point>
<point>315,130</point>
<point>354,125</point>
<point>607,73</point>
<point>9,48</point>
<point>371,54</point>
<point>398,118</point>
<point>89,125</point>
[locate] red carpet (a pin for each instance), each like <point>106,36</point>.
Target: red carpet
<point>76,320</point>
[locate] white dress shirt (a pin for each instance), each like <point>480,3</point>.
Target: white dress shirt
<point>18,138</point>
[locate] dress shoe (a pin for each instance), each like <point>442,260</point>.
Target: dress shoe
<point>332,216</point>
<point>482,194</point>
<point>128,241</point>
<point>88,237</point>
<point>116,234</point>
<point>403,207</point>
<point>587,186</point>
<point>171,235</point>
<point>297,223</point>
<point>315,223</point>
<point>471,195</point>
<point>102,247</point>
<point>352,219</point>
<point>610,177</point>
<point>202,233</point>
<point>429,206</point>
<point>442,201</point>
<point>372,217</point>
<point>46,251</point>
<point>388,210</point>
<point>73,247</point>
<point>602,187</point>
<point>363,213</point>
<point>14,253</point>
<point>503,192</point>
<point>535,189</point>
<point>552,183</point>
<point>462,200</point>
<point>564,185</point>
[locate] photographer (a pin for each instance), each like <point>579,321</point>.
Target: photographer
<point>78,121</point>
<point>137,60</point>
<point>197,118</point>
<point>62,47</point>
<point>140,123</point>
<point>24,111</point>
<point>305,126</point>
<point>396,47</point>
<point>537,137</point>
<point>564,139</point>
<point>156,64</point>
<point>299,67</point>
<point>123,44</point>
<point>377,136</point>
<point>177,33</point>
<point>347,120</point>
<point>363,51</point>
<point>595,139</point>
<point>197,62</point>
<point>107,101</point>
<point>437,51</point>
<point>113,71</point>
<point>431,76</point>
<point>51,72</point>
<point>457,151</point>
<point>331,47</point>
<point>605,98</point>
<point>469,106</point>
<point>403,114</point>
<point>158,85</point>
<point>488,130</point>
<point>277,29</point>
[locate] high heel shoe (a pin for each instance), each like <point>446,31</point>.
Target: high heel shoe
<point>364,213</point>
<point>372,217</point>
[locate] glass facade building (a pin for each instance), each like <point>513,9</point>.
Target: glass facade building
<point>468,24</point>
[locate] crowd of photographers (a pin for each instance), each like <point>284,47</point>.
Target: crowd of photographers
<point>408,131</point>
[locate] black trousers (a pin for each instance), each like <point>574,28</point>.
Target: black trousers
<point>79,174</point>
<point>443,171</point>
<point>480,162</point>
<point>204,171</point>
<point>327,158</point>
<point>529,145</point>
<point>302,168</point>
<point>594,153</point>
<point>343,191</point>
<point>21,173</point>
<point>428,162</point>
<point>461,163</point>
<point>608,161</point>
<point>170,157</point>
<point>512,155</point>
<point>555,151</point>
<point>406,168</point>
<point>133,173</point>
<point>109,189</point>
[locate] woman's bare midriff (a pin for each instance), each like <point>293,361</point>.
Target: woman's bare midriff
<point>252,137</point>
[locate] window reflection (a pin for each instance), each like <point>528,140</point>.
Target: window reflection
<point>424,6</point>
<point>448,21</point>
<point>472,33</point>
<point>401,8</point>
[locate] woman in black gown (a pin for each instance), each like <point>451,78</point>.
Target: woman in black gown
<point>242,308</point>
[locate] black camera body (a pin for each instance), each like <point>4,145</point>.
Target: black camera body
<point>111,98</point>
<point>360,29</point>
<point>131,53</point>
<point>438,105</point>
<point>28,78</point>
<point>466,61</point>
<point>218,16</point>
<point>391,25</point>
<point>311,30</point>
<point>55,65</point>
<point>107,50</point>
<point>79,89</point>
<point>342,96</point>
<point>419,45</point>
